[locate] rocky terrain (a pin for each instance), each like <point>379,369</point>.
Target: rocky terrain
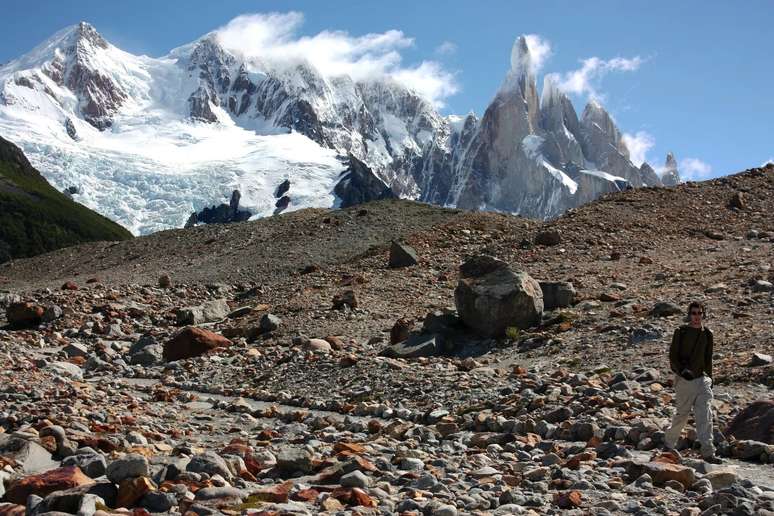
<point>329,361</point>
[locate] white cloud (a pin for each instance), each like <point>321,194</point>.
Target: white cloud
<point>273,39</point>
<point>586,79</point>
<point>694,169</point>
<point>539,50</point>
<point>639,144</point>
<point>770,160</point>
<point>446,48</point>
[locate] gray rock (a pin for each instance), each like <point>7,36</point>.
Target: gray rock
<point>557,294</point>
<point>644,334</point>
<point>76,349</point>
<point>158,501</point>
<point>51,313</point>
<point>294,460</point>
<point>148,356</point>
<point>763,286</point>
<point>31,456</point>
<point>490,297</point>
<point>211,493</point>
<point>270,322</point>
<point>93,465</point>
<point>760,359</point>
<point>411,464</point>
<point>66,369</point>
<point>210,311</point>
<point>664,309</point>
<point>402,255</point>
<point>210,463</point>
<point>445,510</point>
<point>413,347</point>
<point>129,466</point>
<point>355,479</point>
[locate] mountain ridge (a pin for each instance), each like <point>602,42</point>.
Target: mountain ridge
<point>109,104</point>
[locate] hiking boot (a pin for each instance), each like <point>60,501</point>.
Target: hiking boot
<point>667,449</point>
<point>713,459</point>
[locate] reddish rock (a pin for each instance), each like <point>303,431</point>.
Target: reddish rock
<point>346,298</point>
<point>10,509</point>
<point>24,315</point>
<point>70,285</point>
<point>306,495</point>
<point>661,472</point>
<point>192,342</point>
<point>353,497</point>
<point>278,493</point>
<point>400,331</point>
<point>131,490</point>
<point>568,500</point>
<point>46,483</point>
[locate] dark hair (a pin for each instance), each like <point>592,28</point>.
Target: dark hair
<point>699,305</point>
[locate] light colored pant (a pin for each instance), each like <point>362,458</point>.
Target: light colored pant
<point>693,395</point>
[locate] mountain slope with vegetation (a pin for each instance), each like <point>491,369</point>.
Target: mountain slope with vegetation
<point>36,218</point>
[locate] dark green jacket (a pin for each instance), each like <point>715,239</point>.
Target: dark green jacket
<point>691,349</point>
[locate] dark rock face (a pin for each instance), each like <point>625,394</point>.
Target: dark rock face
<point>99,96</point>
<point>220,214</point>
<point>70,128</point>
<point>755,422</point>
<point>282,188</point>
<point>281,204</point>
<point>358,184</point>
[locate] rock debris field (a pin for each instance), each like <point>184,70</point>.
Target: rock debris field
<point>395,358</point>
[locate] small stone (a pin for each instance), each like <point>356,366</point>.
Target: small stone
<point>70,285</point>
<point>762,286</point>
<point>270,322</point>
<point>210,463</point>
<point>355,479</point>
<point>191,342</point>
<point>400,331</point>
<point>345,299</point>
<point>548,238</point>
<point>759,359</point>
<point>665,309</point>
<point>165,281</point>
<point>318,346</point>
<point>402,255</point>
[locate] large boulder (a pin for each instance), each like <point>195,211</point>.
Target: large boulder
<point>24,315</point>
<point>490,297</point>
<point>755,422</point>
<point>192,342</point>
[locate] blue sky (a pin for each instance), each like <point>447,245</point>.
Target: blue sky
<point>691,77</point>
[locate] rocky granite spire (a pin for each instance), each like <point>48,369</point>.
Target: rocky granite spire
<point>670,176</point>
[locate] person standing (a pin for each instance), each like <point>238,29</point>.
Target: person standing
<point>690,358</point>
